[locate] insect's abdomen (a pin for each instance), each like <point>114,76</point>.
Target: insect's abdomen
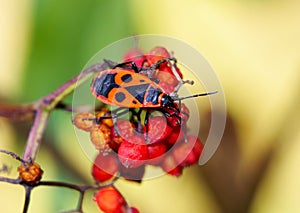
<point>126,89</point>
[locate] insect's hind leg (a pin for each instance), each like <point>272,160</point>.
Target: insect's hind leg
<point>146,125</point>
<point>176,113</point>
<point>112,114</point>
<point>137,122</point>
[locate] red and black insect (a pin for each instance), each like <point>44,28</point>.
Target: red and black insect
<point>129,89</point>
<point>125,88</point>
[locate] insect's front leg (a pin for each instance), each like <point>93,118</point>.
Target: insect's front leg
<point>132,65</point>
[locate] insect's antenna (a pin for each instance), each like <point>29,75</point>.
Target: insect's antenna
<point>194,96</point>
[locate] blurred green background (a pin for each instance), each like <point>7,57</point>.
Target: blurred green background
<point>254,48</point>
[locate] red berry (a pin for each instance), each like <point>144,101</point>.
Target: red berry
<point>168,69</point>
<point>132,174</point>
<point>125,129</point>
<point>136,55</point>
<point>110,200</point>
<point>104,167</point>
<point>188,153</point>
<point>176,135</point>
<point>158,129</point>
<point>177,118</point>
<point>170,166</point>
<point>184,112</point>
<point>168,88</point>
<point>156,54</point>
<point>134,210</point>
<point>173,118</point>
<point>133,155</point>
<point>156,153</point>
<point>116,139</point>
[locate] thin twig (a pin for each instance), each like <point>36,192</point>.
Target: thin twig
<point>24,112</point>
<point>35,135</point>
<point>45,105</point>
<point>14,155</point>
<point>28,190</point>
<point>10,180</point>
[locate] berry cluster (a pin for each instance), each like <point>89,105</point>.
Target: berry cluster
<point>127,146</point>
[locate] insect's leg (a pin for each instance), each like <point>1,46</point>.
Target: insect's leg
<point>122,65</point>
<point>139,126</point>
<point>176,114</point>
<point>184,133</point>
<point>179,85</point>
<point>156,80</point>
<point>163,60</point>
<point>114,114</point>
<point>110,63</point>
<point>132,63</point>
<point>134,67</point>
<point>146,124</point>
<point>135,118</point>
<point>145,63</point>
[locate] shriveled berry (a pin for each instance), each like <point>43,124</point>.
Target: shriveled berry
<point>156,153</point>
<point>105,167</point>
<point>100,137</point>
<point>110,200</point>
<point>133,155</point>
<point>188,153</point>
<point>84,121</point>
<point>30,173</point>
<point>107,121</point>
<point>158,130</point>
<point>170,166</point>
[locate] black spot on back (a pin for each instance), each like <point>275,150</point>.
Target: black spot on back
<point>138,91</point>
<point>126,78</point>
<point>120,96</point>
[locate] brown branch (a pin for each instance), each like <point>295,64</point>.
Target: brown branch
<point>45,105</point>
<point>17,112</point>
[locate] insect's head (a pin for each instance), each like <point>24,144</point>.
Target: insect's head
<point>167,101</point>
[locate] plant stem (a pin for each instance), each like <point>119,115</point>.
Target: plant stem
<point>23,112</point>
<point>35,135</point>
<point>44,106</point>
<point>27,198</point>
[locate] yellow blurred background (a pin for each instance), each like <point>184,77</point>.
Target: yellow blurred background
<point>254,48</point>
